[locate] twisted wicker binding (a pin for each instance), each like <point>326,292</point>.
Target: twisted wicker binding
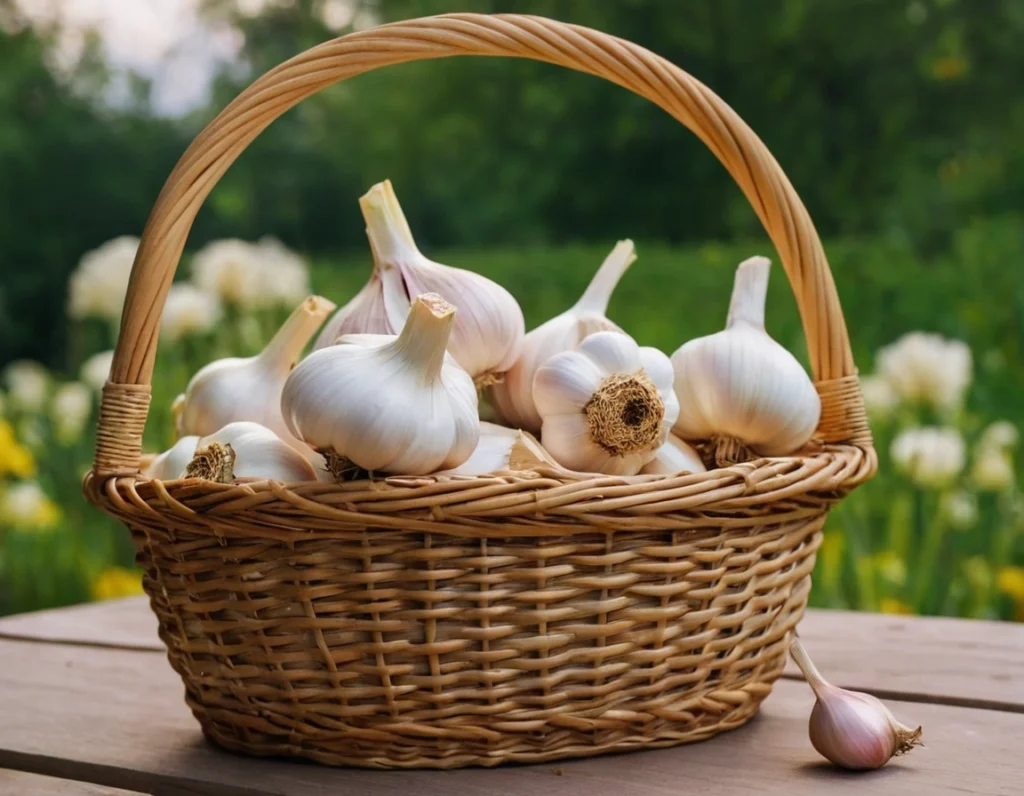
<point>449,622</point>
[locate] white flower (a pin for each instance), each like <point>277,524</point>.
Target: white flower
<point>960,508</point>
<point>1000,435</point>
<point>97,287</point>
<point>24,504</point>
<point>285,275</point>
<point>96,369</point>
<point>880,398</point>
<point>71,408</point>
<point>188,310</point>
<point>930,456</point>
<point>27,385</point>
<point>927,368</point>
<point>992,470</point>
<point>232,270</point>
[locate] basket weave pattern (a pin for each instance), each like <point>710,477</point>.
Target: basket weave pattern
<point>453,621</point>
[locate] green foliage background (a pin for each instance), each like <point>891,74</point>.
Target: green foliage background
<point>901,124</point>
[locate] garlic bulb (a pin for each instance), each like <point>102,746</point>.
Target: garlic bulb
<point>171,464</point>
<point>513,397</point>
<point>384,403</point>
<point>234,389</point>
<point>675,456</point>
<point>606,407</point>
<point>739,383</point>
<point>848,728</point>
<point>247,450</point>
<point>488,329</point>
<point>502,448</point>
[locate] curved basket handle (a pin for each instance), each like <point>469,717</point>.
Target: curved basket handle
<point>126,396</point>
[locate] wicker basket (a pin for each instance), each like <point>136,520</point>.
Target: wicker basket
<point>473,621</point>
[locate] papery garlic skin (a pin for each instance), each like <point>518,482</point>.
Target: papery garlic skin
<point>503,449</point>
<point>249,389</point>
<point>513,396</point>
<point>740,384</point>
<point>248,450</point>
<point>171,464</point>
<point>388,404</point>
<point>848,728</point>
<point>489,326</point>
<point>675,456</point>
<point>606,407</point>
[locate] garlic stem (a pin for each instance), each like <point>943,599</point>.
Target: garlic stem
<point>285,347</point>
<point>424,337</point>
<point>598,293</point>
<point>390,236</point>
<point>749,293</point>
<point>807,667</point>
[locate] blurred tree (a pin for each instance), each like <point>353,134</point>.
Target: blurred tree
<point>71,177</point>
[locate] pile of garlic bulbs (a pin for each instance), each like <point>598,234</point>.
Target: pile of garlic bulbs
<point>394,383</point>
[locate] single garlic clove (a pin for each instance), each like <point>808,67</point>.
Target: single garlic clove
<point>248,450</point>
<point>383,403</point>
<point>513,397</point>
<point>675,456</point>
<point>249,389</point>
<point>600,407</point>
<point>848,728</point>
<point>171,464</point>
<point>740,384</point>
<point>503,449</point>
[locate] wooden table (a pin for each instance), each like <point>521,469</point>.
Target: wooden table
<point>89,705</point>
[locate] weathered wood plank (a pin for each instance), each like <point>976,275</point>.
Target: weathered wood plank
<point>21,783</point>
<point>949,661</point>
<point>931,659</point>
<point>117,717</point>
<point>124,623</point>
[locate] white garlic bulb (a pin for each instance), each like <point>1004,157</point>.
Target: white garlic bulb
<point>247,450</point>
<point>740,384</point>
<point>488,329</point>
<point>513,396</point>
<point>171,464</point>
<point>500,449</point>
<point>235,389</point>
<point>384,403</point>
<point>675,456</point>
<point>606,407</point>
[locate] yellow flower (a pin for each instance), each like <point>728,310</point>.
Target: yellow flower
<point>117,582</point>
<point>891,567</point>
<point>890,605</point>
<point>15,458</point>
<point>949,67</point>
<point>1011,582</point>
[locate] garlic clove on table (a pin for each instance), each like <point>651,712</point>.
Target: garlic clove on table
<point>513,396</point>
<point>740,384</point>
<point>606,407</point>
<point>249,389</point>
<point>394,404</point>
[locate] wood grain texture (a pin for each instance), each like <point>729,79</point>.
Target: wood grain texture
<point>127,623</point>
<point>932,659</point>
<point>116,717</point>
<point>22,783</point>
